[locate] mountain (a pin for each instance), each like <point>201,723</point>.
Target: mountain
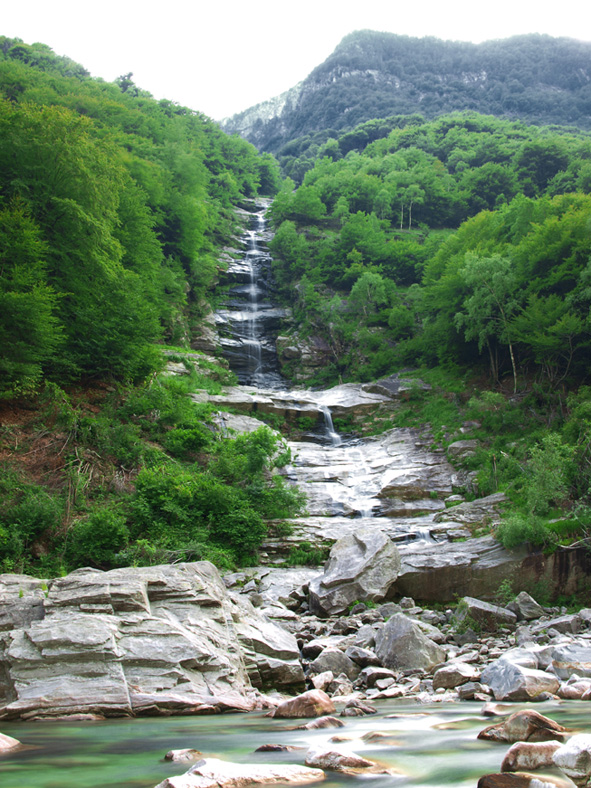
<point>535,78</point>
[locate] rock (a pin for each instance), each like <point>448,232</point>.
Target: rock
<point>323,722</point>
<point>143,640</point>
<point>482,510</point>
<point>401,645</point>
<point>277,748</point>
<point>526,607</point>
<point>8,743</point>
<point>513,682</point>
<point>569,624</point>
<point>525,725</point>
<point>183,755</point>
<point>331,659</point>
<point>572,658</point>
<point>362,656</point>
<point>486,616</point>
<point>461,450</point>
<point>575,690</point>
<point>313,703</point>
<point>323,680</point>
<point>521,780</point>
<point>453,674</point>
<point>335,760</point>
<point>525,657</point>
<point>362,566</point>
<point>358,708</point>
<point>370,675</point>
<point>212,772</point>
<point>574,759</point>
<point>529,756</point>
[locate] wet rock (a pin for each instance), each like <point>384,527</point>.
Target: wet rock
<point>361,566</point>
<point>488,617</point>
<point>514,682</point>
<point>212,772</point>
<point>322,722</point>
<point>8,743</point>
<point>525,725</point>
<point>277,748</point>
<point>358,708</point>
<point>401,645</point>
<point>313,703</point>
<point>574,759</point>
<point>521,780</point>
<point>335,760</point>
<point>529,756</point>
<point>452,675</point>
<point>181,756</point>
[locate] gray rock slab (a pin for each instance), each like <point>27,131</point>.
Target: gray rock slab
<point>401,645</point>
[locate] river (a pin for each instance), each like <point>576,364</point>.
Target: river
<point>432,745</point>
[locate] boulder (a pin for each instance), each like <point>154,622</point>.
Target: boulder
<point>514,682</point>
<point>8,743</point>
<point>314,703</point>
<point>526,607</point>
<point>453,674</point>
<point>481,511</point>
<point>574,759</point>
<point>521,780</point>
<point>525,725</point>
<point>569,624</point>
<point>212,773</point>
<point>140,640</point>
<point>321,723</point>
<point>335,760</point>
<point>183,755</point>
<point>571,658</point>
<point>461,450</point>
<point>529,756</point>
<point>361,566</point>
<point>485,616</point>
<point>331,659</point>
<point>401,645</point>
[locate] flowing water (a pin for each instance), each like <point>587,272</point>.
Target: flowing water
<point>431,746</point>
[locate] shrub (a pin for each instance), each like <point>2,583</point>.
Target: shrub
<point>97,538</point>
<point>519,529</point>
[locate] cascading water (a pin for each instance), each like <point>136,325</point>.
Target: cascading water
<point>249,321</point>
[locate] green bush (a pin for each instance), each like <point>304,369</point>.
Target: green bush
<point>97,539</point>
<point>520,529</point>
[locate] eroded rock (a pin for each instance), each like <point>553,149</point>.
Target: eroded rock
<point>525,725</point>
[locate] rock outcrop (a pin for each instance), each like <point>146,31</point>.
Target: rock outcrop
<point>136,641</point>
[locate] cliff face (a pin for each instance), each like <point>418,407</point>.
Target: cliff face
<point>373,75</point>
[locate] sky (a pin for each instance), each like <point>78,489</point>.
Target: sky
<point>222,56</point>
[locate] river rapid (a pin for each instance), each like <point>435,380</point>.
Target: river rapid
<point>431,745</point>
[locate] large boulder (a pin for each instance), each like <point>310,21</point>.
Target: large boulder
<point>572,658</point>
<point>454,674</point>
<point>483,615</point>
<point>509,681</point>
<point>526,607</point>
<point>214,773</point>
<point>361,567</point>
<point>528,756</point>
<point>401,645</point>
<point>8,743</point>
<point>135,641</point>
<point>525,725</point>
<point>574,759</point>
<point>314,703</point>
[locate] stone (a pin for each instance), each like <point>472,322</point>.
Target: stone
<point>453,674</point>
<point>323,680</point>
<point>521,780</point>
<point>361,566</point>
<point>8,743</point>
<point>401,645</point>
<point>481,511</point>
<point>322,722</point>
<point>141,640</point>
<point>371,674</point>
<point>568,624</point>
<point>528,756</point>
<point>183,755</point>
<point>526,607</point>
<point>358,708</point>
<point>575,690</point>
<point>525,725</point>
<point>574,759</point>
<point>335,661</point>
<point>335,760</point>
<point>211,772</point>
<point>460,450</point>
<point>571,658</point>
<point>277,748</point>
<point>313,703</point>
<point>516,683</point>
<point>362,656</point>
<point>486,616</point>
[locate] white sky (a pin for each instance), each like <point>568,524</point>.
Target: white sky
<point>222,56</point>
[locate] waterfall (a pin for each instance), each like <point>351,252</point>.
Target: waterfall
<point>330,435</point>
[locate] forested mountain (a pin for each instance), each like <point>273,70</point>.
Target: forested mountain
<point>113,207</point>
<point>536,78</point>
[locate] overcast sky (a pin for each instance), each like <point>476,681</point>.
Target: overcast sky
<point>223,56</point>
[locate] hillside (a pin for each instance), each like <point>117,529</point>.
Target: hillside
<point>535,78</point>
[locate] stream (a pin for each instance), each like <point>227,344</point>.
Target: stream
<point>431,745</point>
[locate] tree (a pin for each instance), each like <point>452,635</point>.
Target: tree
<point>368,292</point>
<point>487,312</point>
